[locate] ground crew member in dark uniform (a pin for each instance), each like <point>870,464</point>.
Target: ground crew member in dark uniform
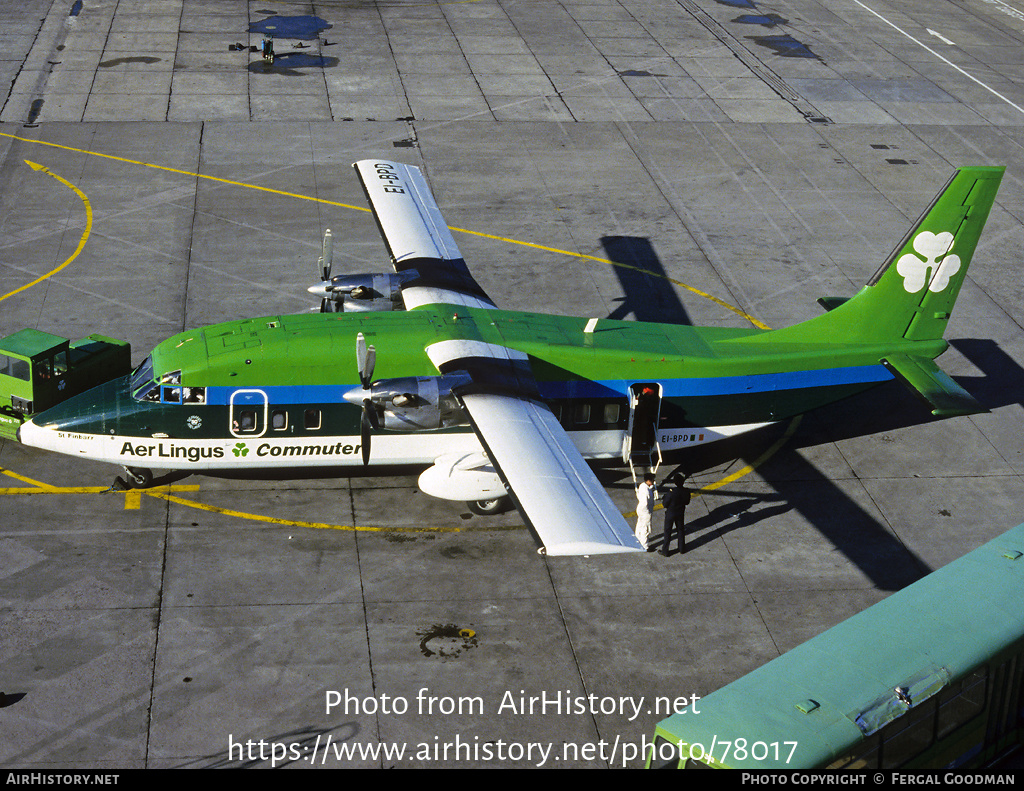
<point>675,501</point>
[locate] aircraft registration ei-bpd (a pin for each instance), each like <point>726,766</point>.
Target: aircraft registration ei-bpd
<point>509,403</point>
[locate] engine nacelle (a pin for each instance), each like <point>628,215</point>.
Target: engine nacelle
<point>463,477</point>
<point>414,403</point>
<point>362,293</point>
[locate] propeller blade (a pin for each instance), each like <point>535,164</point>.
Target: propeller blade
<point>365,427</point>
<point>371,361</point>
<point>366,359</point>
<point>328,258</point>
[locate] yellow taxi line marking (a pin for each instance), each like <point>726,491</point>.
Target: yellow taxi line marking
<point>24,479</point>
<point>297,196</point>
<point>132,497</point>
<point>584,256</point>
<point>183,172</point>
<point>81,241</point>
<point>314,525</point>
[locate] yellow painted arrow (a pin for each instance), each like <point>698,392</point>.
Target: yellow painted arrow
<point>81,242</point>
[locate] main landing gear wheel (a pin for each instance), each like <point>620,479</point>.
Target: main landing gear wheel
<point>139,477</point>
<point>489,507</point>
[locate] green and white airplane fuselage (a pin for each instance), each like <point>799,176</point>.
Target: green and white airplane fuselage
<point>465,388</point>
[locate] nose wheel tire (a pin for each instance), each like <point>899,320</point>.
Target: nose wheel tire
<point>139,477</point>
<point>489,507</point>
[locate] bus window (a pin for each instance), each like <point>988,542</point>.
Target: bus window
<point>664,754</point>
<point>19,369</point>
<point>914,733</point>
<point>865,756</point>
<point>961,702</point>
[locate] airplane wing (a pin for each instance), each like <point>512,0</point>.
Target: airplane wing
<point>554,489</point>
<point>417,236</point>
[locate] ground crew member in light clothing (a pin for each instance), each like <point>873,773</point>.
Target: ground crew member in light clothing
<point>646,494</point>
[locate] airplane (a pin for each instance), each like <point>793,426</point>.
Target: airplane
<point>500,404</point>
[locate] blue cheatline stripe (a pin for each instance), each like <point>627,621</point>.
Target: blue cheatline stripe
<point>281,394</point>
<point>605,388</point>
<point>723,385</point>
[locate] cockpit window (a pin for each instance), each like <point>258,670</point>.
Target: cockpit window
<point>144,386</point>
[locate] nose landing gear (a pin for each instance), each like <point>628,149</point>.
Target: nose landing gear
<point>138,478</point>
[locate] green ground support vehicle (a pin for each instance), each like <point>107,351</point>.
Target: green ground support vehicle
<point>39,370</point>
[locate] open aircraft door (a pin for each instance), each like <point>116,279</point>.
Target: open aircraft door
<point>640,445</point>
<point>248,413</point>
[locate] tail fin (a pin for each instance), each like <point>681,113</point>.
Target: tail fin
<point>912,294</point>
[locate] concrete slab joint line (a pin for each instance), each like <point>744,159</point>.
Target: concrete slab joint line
<point>30,83</point>
<point>752,62</point>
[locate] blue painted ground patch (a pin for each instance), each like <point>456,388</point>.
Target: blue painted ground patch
<point>786,46</point>
<point>768,20</point>
<point>304,28</point>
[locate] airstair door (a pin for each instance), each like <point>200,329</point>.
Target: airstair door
<point>640,443</point>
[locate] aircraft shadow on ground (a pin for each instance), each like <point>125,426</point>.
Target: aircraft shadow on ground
<point>802,487</point>
<point>649,293</point>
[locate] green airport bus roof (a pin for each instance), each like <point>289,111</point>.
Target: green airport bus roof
<point>919,639</point>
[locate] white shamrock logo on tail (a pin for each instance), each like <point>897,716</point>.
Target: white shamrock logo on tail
<point>932,247</point>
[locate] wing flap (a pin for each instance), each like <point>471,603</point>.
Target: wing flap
<point>556,492</point>
<point>925,379</point>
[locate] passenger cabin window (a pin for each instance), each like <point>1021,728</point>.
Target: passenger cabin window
<point>312,419</point>
<point>582,414</point>
<point>611,414</point>
<point>246,421</point>
<point>279,420</point>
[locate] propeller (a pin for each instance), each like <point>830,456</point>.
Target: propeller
<point>366,359</point>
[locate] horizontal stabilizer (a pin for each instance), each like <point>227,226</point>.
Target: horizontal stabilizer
<point>928,381</point>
